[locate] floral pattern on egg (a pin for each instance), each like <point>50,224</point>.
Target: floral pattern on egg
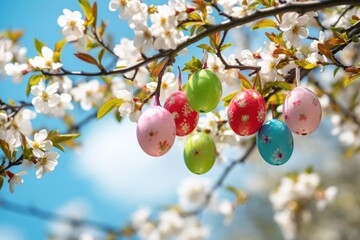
<point>185,117</point>
<point>246,112</point>
<point>302,111</point>
<point>156,131</point>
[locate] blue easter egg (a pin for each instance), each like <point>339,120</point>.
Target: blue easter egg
<point>275,142</point>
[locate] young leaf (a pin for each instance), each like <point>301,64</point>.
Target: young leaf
<point>1,182</point>
<point>229,97</point>
<point>240,195</point>
<point>264,23</point>
<point>85,5</point>
<point>6,149</point>
<point>157,69</point>
<point>326,51</point>
<point>59,138</point>
<point>225,46</point>
<point>94,14</point>
<point>38,46</point>
<point>276,99</point>
<point>108,106</point>
<point>101,54</point>
<point>207,48</point>
<point>349,80</point>
<point>87,58</point>
<point>58,146</point>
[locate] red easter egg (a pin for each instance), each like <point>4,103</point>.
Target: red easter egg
<point>185,117</point>
<point>246,113</point>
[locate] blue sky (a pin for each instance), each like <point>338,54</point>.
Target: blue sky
<point>108,180</point>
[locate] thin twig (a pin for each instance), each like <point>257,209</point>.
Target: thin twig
<point>258,14</point>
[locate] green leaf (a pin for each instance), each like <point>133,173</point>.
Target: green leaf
<point>34,79</point>
<point>6,149</point>
<point>264,23</point>
<point>59,138</point>
<point>38,45</point>
<point>305,64</point>
<point>85,5</point>
<point>101,55</point>
<point>348,81</point>
<point>94,14</point>
<point>193,65</point>
<point>229,97</point>
<point>279,84</point>
<point>336,70</point>
<point>108,106</point>
<point>225,46</point>
<point>207,48</point>
<point>58,146</point>
<point>241,196</point>
<point>276,99</point>
<point>1,182</point>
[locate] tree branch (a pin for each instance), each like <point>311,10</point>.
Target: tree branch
<point>258,14</point>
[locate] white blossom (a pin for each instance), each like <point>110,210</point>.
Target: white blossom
<point>293,26</point>
<point>64,104</point>
<point>306,184</point>
<point>326,197</point>
<point>16,70</point>
<point>140,217</point>
<point>46,163</point>
<point>164,18</point>
<point>65,83</point>
<point>143,39</point>
<point>170,223</point>
<point>72,24</point>
<point>45,97</point>
<point>192,191</point>
<point>193,230</point>
<point>169,85</point>
<point>127,108</point>
<point>46,60</point>
<point>87,93</point>
<point>40,144</point>
<point>226,208</point>
<point>127,8</point>
<point>15,179</point>
<point>268,63</point>
<point>22,121</point>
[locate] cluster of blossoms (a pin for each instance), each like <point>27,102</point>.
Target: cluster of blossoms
<point>163,32</point>
<point>12,58</point>
<point>293,199</point>
<point>13,131</point>
<point>175,222</point>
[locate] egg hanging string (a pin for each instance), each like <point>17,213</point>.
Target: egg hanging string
<point>297,76</point>
<point>179,80</point>
<point>257,78</point>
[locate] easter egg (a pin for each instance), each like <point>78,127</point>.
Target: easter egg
<point>199,153</point>
<point>275,142</point>
<point>246,112</point>
<point>203,91</point>
<point>156,131</point>
<point>302,111</point>
<point>185,117</point>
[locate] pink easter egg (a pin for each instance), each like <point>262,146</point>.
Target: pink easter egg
<point>302,111</point>
<point>156,131</point>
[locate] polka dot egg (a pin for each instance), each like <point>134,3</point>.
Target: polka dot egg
<point>185,117</point>
<point>246,112</point>
<point>275,142</point>
<point>302,111</point>
<point>156,131</point>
